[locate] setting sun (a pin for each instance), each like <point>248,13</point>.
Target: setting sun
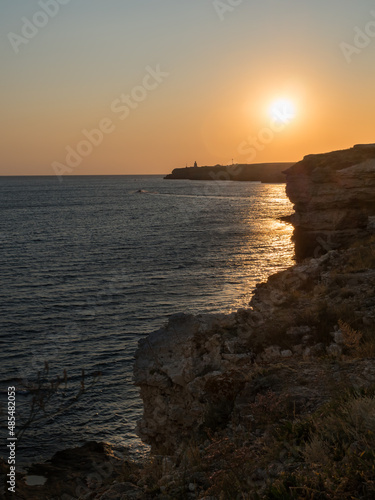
<point>282,110</point>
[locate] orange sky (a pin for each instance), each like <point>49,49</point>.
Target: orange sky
<point>179,82</point>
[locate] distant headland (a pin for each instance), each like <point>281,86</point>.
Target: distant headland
<point>261,172</point>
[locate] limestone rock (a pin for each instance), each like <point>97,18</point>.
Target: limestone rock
<point>333,195</point>
<point>191,371</point>
<point>176,368</point>
<point>334,350</point>
<point>286,353</point>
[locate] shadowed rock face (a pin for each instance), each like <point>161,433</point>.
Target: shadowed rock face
<point>333,196</point>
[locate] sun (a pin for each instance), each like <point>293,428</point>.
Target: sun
<point>283,110</point>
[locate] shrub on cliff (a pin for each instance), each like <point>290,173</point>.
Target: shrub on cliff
<point>338,458</point>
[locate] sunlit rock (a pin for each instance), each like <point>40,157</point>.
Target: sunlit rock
<point>333,196</point>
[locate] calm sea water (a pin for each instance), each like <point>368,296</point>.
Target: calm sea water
<point>92,264</point>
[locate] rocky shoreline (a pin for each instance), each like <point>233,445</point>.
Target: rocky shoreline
<point>200,371</point>
<point>183,368</point>
<point>275,400</point>
<point>307,335</point>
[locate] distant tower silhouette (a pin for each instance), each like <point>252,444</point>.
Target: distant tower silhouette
<point>195,164</point>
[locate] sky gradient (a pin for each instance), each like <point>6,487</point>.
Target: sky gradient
<point>144,86</point>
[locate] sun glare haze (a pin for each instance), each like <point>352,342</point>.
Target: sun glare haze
<point>283,110</point>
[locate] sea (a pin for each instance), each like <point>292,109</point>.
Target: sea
<point>92,264</point>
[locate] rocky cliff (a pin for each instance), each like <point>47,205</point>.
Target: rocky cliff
<point>333,196</point>
<point>201,372</point>
<point>235,383</point>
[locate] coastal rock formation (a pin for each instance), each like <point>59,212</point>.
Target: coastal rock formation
<point>199,372</point>
<point>333,196</point>
<point>261,172</point>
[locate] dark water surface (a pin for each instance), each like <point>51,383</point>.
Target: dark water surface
<point>90,265</point>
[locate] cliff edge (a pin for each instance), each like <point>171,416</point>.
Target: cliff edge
<point>272,391</point>
<point>333,196</point>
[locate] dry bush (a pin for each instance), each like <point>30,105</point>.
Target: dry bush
<point>362,256</point>
<point>230,466</point>
<point>267,408</point>
<point>152,473</point>
<point>338,459</point>
<point>367,348</point>
<point>316,452</point>
<point>351,337</point>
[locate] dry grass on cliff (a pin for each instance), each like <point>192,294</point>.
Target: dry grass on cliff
<point>357,343</point>
<point>337,460</point>
<point>366,348</point>
<point>329,454</point>
<point>362,256</point>
<point>351,338</point>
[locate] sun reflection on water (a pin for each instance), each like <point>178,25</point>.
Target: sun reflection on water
<point>270,236</point>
